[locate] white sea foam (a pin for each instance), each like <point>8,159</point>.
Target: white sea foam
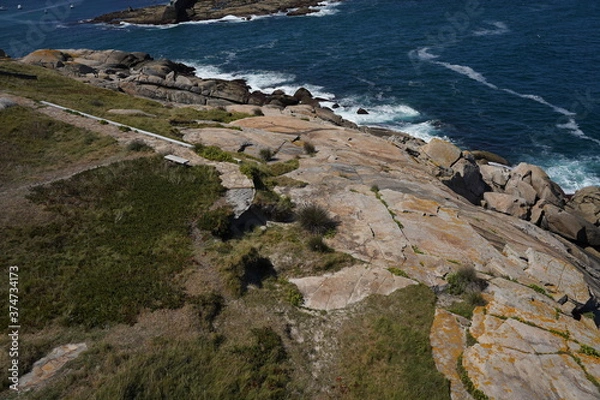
<point>573,175</point>
<point>325,8</point>
<point>379,114</point>
<point>498,28</point>
<point>265,81</point>
<point>540,99</point>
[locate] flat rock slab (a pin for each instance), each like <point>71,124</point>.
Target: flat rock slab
<point>528,347</point>
<point>447,342</point>
<point>348,286</point>
<point>48,366</point>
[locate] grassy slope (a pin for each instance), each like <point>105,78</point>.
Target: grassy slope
<point>108,246</point>
<point>55,88</point>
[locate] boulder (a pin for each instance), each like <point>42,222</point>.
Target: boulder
<point>362,111</point>
<point>47,58</point>
<point>467,181</point>
<point>586,203</point>
<point>442,153</point>
<point>6,103</point>
<point>545,188</point>
<point>485,157</point>
<point>328,115</point>
<point>3,54</point>
<point>570,226</point>
<point>304,96</point>
<point>519,188</point>
<point>495,176</point>
<point>507,204</point>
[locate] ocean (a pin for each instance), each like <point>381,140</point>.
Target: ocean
<point>520,79</point>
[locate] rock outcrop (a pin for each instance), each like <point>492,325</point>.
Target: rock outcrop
<point>138,74</point>
<point>199,10</point>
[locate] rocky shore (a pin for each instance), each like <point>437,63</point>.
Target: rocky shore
<point>193,10</point>
<point>524,191</point>
<point>423,208</point>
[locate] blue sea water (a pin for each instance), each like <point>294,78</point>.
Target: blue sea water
<point>517,78</point>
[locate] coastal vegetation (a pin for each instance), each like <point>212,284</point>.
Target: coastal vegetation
<point>155,117</point>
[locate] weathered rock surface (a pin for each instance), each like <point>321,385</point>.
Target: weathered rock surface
<point>586,203</point>
<point>348,286</point>
<point>49,366</point>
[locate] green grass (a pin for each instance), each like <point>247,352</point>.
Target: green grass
<point>539,290</point>
<point>386,354</point>
<point>467,382</point>
<point>32,143</point>
<point>398,272</point>
<point>207,367</point>
<point>51,86</point>
<point>115,238</point>
<point>463,280</point>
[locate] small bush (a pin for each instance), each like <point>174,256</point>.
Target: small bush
<point>273,206</point>
<point>309,148</point>
<point>217,221</point>
<point>315,219</point>
<point>123,128</point>
<point>257,112</point>
<point>245,267</point>
<point>213,153</point>
<point>316,243</point>
<point>138,145</point>
<point>291,293</point>
<point>103,122</point>
<point>266,154</point>
<point>463,280</point>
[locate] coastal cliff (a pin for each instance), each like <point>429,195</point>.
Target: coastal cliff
<point>504,241</point>
<point>194,10</point>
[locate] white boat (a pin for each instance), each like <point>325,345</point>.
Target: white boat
<point>19,7</point>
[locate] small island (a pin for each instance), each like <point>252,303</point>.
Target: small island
<point>201,10</point>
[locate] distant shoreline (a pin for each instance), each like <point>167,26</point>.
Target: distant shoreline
<point>182,11</point>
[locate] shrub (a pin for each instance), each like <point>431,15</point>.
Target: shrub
<point>217,221</point>
<point>273,206</point>
<point>244,268</point>
<point>266,154</point>
<point>123,128</point>
<point>464,279</point>
<point>213,153</point>
<point>258,112</point>
<point>316,243</point>
<point>138,145</point>
<point>315,219</point>
<point>309,148</point>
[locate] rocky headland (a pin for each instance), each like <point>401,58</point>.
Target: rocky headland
<point>200,10</point>
<point>427,209</point>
